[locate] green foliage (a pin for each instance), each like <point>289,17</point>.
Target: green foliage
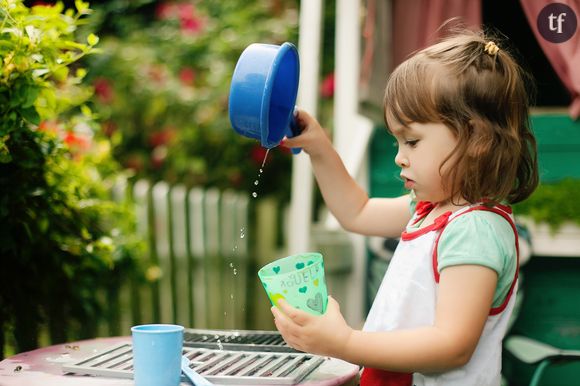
<point>553,204</point>
<point>162,90</point>
<point>62,238</point>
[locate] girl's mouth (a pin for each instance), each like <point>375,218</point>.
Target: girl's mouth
<point>409,184</point>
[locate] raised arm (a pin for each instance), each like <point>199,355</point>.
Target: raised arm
<point>345,199</point>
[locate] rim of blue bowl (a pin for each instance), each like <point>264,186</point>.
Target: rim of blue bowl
<point>265,108</point>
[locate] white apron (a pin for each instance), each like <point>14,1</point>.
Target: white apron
<point>408,294</point>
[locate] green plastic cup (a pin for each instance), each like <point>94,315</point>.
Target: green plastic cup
<point>298,279</point>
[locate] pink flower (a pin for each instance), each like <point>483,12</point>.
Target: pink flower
<point>327,86</point>
<point>185,12</point>
<point>50,127</point>
<point>157,74</point>
<point>191,23</point>
<point>191,26</point>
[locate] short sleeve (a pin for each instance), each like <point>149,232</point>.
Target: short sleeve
<point>480,238</point>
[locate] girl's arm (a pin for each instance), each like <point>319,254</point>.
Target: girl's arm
<point>347,201</point>
<point>464,300</point>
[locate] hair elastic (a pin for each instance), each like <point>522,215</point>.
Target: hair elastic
<point>491,48</point>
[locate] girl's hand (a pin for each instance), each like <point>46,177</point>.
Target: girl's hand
<point>312,138</point>
<point>327,334</point>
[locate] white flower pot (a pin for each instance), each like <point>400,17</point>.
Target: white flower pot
<point>565,241</point>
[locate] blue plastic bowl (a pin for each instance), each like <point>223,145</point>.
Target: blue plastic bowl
<point>263,92</point>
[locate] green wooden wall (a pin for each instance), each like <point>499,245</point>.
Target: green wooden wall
<point>557,135</point>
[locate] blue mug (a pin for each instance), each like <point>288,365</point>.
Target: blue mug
<point>263,93</point>
<point>157,352</point>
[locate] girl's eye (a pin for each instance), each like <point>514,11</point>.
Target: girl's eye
<point>412,143</point>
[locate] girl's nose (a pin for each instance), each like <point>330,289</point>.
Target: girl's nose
<point>401,160</point>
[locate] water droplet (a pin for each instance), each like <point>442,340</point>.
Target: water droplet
<point>254,194</point>
<point>231,265</point>
<point>256,182</point>
<point>232,296</point>
<point>261,171</point>
<point>242,233</point>
<point>235,271</point>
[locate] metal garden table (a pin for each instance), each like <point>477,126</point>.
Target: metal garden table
<point>43,367</point>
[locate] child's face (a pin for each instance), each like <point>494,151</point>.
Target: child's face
<point>422,149</point>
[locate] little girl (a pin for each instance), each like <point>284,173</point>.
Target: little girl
<point>459,113</point>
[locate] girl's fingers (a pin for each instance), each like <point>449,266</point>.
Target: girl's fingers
<point>298,316</point>
<point>333,303</point>
<point>282,320</point>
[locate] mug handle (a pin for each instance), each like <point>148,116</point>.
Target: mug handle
<point>294,130</point>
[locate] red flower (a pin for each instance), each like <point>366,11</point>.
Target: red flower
<point>135,162</point>
<point>162,137</point>
<point>104,90</point>
<point>42,4</point>
<point>257,154</point>
<point>187,76</point>
<point>109,128</point>
<point>165,11</point>
<point>77,143</point>
<point>327,86</point>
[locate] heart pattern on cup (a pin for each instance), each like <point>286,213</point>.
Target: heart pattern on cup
<point>276,269</point>
<point>315,282</point>
<point>302,289</point>
<point>315,303</point>
<point>299,265</point>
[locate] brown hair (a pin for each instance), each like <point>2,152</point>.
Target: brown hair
<point>483,97</point>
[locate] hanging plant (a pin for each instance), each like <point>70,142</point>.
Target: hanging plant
<point>553,204</point>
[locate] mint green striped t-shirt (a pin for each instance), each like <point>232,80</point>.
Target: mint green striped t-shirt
<point>481,238</point>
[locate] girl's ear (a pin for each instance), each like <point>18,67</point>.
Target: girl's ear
<point>477,128</point>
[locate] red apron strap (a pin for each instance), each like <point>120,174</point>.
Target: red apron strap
<point>375,377</point>
<point>505,212</point>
